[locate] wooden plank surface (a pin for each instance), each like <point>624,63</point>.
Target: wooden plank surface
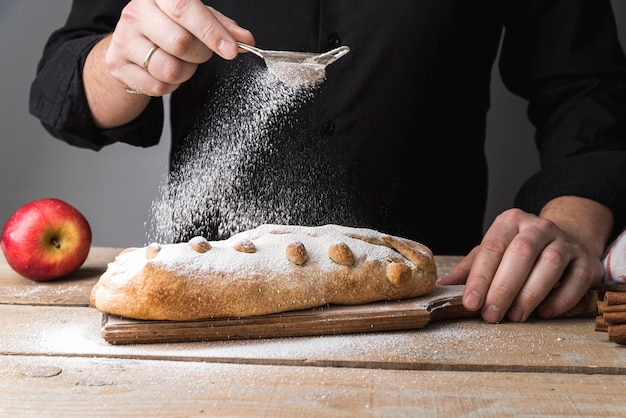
<point>459,344</point>
<point>43,386</point>
<point>73,290</point>
<point>561,346</point>
<point>54,362</point>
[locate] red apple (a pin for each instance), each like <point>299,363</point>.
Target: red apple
<point>46,239</point>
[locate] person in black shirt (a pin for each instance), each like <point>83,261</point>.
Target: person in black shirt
<point>396,131</point>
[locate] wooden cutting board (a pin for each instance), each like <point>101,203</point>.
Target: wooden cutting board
<point>444,302</point>
<point>441,304</point>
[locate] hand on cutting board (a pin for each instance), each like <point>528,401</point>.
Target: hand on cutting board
<point>527,262</point>
<point>156,46</point>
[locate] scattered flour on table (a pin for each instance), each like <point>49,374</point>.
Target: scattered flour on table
<point>246,162</point>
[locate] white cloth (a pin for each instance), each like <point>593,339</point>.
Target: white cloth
<point>615,261</point>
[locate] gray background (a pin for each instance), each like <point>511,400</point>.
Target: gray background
<point>115,187</point>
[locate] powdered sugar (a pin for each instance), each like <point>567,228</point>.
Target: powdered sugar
<point>244,164</point>
<point>270,242</point>
<point>297,74</point>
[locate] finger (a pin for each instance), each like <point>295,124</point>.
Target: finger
<point>203,24</point>
<point>166,67</point>
<point>520,258</point>
<point>511,274</point>
<point>140,81</point>
<point>142,73</point>
<point>542,278</point>
<point>172,37</point>
<point>127,55</point>
<point>580,276</point>
<point>486,261</point>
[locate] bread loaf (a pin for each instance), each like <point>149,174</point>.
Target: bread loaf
<point>270,269</point>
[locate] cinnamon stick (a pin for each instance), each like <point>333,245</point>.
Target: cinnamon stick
<point>617,333</point>
<point>615,298</point>
<point>612,313</point>
<point>613,308</point>
<point>615,317</point>
<point>601,306</point>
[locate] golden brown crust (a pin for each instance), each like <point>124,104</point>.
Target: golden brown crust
<point>291,268</point>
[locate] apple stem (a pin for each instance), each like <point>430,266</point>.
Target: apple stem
<point>56,243</point>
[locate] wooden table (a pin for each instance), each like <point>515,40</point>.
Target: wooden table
<point>54,362</point>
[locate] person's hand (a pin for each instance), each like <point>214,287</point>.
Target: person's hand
<point>526,262</point>
<point>158,44</point>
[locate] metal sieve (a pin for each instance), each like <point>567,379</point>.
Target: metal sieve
<point>297,68</point>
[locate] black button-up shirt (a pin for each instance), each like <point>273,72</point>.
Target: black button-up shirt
<point>399,123</point>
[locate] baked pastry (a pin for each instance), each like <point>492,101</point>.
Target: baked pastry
<point>270,269</point>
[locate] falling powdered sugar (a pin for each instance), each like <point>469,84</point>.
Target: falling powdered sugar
<point>249,160</point>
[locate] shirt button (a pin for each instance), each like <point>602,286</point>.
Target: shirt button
<point>328,127</point>
<point>334,41</point>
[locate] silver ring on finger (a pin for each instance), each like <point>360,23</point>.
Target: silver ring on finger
<point>146,61</point>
